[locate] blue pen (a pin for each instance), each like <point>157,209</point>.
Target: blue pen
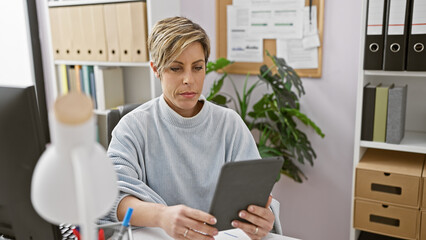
<point>125,223</point>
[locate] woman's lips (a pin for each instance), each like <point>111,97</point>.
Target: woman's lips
<point>188,94</point>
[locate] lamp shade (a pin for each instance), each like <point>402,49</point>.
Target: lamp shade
<point>73,181</point>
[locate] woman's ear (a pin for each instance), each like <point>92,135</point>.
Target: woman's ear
<point>154,68</point>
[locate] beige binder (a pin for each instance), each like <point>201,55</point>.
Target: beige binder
<point>64,17</point>
<point>92,19</point>
<point>86,32</point>
<point>124,31</point>
<point>111,32</point>
<point>132,31</point>
<point>139,39</point>
<point>101,52</point>
<point>55,30</point>
<point>77,36</point>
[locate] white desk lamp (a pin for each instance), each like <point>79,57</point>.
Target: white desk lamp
<point>74,182</point>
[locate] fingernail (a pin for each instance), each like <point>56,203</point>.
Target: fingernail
<point>234,224</point>
<point>241,214</point>
<point>215,233</point>
<point>213,220</point>
<point>251,209</point>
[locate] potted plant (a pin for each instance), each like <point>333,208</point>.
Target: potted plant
<point>275,115</point>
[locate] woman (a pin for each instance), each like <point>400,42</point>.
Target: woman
<point>168,152</point>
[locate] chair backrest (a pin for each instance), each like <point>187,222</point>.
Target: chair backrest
<point>114,116</point>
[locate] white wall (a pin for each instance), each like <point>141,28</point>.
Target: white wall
<point>16,66</point>
<point>319,208</point>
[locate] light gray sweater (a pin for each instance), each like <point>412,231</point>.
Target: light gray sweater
<point>162,157</point>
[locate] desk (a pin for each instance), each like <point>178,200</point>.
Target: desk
<point>234,234</point>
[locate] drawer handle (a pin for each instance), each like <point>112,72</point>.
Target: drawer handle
<point>384,220</point>
<point>386,189</point>
<point>386,174</point>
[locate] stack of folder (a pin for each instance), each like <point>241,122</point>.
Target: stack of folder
<point>384,110</point>
<point>103,32</point>
<point>395,35</point>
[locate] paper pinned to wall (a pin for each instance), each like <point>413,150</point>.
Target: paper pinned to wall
<point>295,55</point>
<point>287,22</point>
<point>302,54</point>
<point>251,21</point>
<point>261,22</point>
<point>310,28</point>
<point>242,44</point>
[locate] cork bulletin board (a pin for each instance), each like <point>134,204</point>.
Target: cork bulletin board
<point>268,44</point>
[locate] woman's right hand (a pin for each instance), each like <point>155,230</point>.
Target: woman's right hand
<point>182,222</point>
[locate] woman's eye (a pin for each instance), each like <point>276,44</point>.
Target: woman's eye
<point>175,69</point>
<point>199,68</point>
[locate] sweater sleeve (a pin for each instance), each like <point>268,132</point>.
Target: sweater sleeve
<point>126,153</point>
<point>244,146</point>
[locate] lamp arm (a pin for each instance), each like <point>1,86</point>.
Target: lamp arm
<point>83,179</point>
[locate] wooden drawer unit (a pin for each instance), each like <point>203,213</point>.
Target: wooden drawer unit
<point>390,177</point>
<point>388,220</point>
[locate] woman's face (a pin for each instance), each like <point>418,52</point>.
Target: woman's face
<point>183,80</point>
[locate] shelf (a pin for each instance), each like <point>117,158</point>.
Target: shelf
<point>101,112</point>
<point>85,2</point>
<point>394,73</point>
<point>412,142</point>
<point>91,63</point>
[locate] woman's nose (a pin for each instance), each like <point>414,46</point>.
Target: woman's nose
<point>188,78</point>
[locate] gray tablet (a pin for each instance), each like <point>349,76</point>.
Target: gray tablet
<point>241,184</point>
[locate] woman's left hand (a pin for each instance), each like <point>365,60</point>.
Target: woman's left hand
<point>261,220</point>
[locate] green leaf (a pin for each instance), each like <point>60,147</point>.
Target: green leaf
<point>218,65</point>
<point>217,85</point>
<point>219,99</point>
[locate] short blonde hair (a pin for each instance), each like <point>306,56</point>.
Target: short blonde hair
<point>169,38</point>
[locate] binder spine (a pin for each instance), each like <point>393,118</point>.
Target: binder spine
<point>396,35</point>
<point>374,36</point>
<point>368,105</point>
<point>416,50</point>
<point>397,102</point>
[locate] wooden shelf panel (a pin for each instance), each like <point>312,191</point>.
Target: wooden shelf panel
<point>413,142</point>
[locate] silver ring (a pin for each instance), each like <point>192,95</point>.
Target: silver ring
<point>395,47</point>
<point>419,47</point>
<point>374,47</point>
<point>257,230</point>
<point>186,232</point>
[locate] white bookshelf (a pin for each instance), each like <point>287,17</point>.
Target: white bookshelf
<point>65,3</point>
<point>415,127</point>
<point>105,64</point>
<point>413,142</point>
<point>140,83</point>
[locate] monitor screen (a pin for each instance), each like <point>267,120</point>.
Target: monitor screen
<point>22,142</point>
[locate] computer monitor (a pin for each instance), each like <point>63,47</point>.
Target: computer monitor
<point>22,142</point>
